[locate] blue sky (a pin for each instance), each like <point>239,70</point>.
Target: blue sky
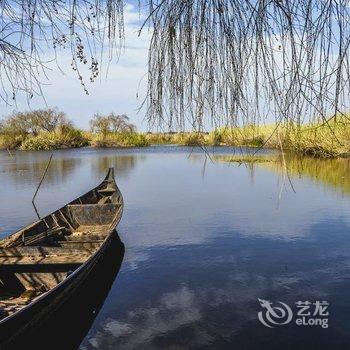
<point>122,88</point>
<point>118,92</point>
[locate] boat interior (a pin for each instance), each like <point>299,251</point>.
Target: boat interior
<point>40,256</point>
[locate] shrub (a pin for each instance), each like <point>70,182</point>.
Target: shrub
<point>119,140</point>
<point>10,141</point>
<point>215,138</point>
<point>160,138</point>
<point>190,139</point>
<point>67,138</point>
<point>111,123</point>
<point>34,122</point>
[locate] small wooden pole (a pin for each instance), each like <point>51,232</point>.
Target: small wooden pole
<point>41,181</point>
<point>9,152</point>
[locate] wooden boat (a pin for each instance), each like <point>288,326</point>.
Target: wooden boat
<point>44,264</point>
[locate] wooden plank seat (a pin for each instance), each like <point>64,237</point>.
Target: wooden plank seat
<point>56,231</point>
<point>43,251</point>
<point>42,258</point>
<point>81,244</point>
<point>104,200</point>
<point>108,191</point>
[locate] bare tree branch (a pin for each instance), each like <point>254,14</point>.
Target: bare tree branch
<point>211,62</point>
<point>229,62</point>
<point>30,29</point>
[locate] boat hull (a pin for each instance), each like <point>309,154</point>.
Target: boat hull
<point>60,318</point>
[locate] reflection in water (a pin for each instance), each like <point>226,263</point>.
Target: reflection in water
<point>20,176</point>
<point>29,166</point>
<point>123,164</point>
<point>31,171</point>
<point>203,246</point>
<point>213,304</point>
<point>66,326</point>
<point>333,173</point>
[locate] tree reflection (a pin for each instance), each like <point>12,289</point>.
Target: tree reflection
<point>122,163</point>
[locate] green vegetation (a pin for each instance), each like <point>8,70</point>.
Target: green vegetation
<point>186,138</point>
<point>57,139</point>
<point>114,130</point>
<point>39,130</point>
<point>51,129</point>
<point>160,138</point>
<point>325,140</point>
<point>120,139</point>
<point>111,123</point>
<point>246,159</point>
<point>191,139</point>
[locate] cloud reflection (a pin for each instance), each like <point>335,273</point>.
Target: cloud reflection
<point>174,310</point>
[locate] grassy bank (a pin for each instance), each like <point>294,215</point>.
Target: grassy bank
<point>329,140</point>
<point>48,129</point>
<point>126,139</point>
<point>321,140</point>
<point>57,139</point>
<point>72,138</point>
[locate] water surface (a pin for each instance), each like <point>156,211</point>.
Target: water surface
<point>204,241</point>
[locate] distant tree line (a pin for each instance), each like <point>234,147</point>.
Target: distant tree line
<point>52,129</point>
<point>49,120</point>
<point>34,122</point>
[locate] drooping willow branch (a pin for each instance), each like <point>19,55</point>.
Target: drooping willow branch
<point>30,30</point>
<point>223,62</point>
<point>211,62</point>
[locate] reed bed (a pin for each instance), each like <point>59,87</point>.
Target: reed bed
<point>56,139</point>
<point>327,140</point>
<point>127,139</point>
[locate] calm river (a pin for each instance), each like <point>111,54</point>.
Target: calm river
<point>205,240</point>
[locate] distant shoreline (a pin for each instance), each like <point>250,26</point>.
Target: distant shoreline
<point>317,141</point>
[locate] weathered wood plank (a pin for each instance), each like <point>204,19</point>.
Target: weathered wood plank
<point>93,214</point>
<point>44,259</point>
<point>44,251</point>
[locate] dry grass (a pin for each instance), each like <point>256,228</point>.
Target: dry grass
<point>57,139</point>
<point>131,139</point>
<point>245,159</point>
<point>319,140</point>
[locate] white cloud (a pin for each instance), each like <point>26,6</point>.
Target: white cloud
<point>116,92</point>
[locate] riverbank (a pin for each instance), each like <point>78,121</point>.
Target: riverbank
<point>323,140</point>
<point>329,140</point>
